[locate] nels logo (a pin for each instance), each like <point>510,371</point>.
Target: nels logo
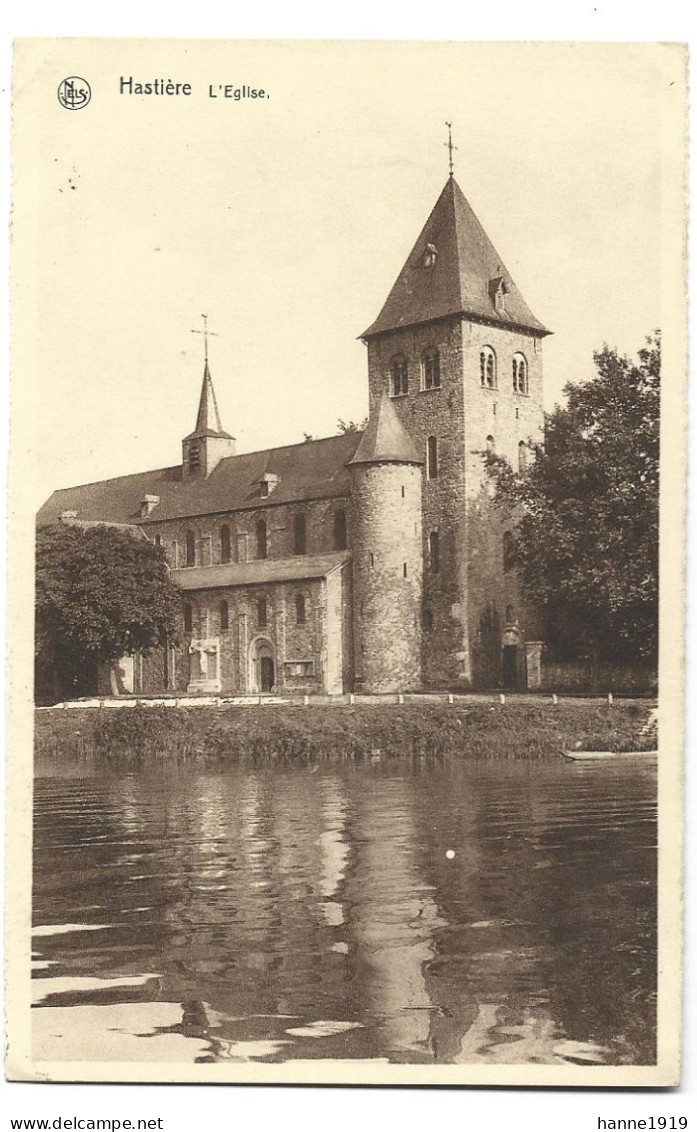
<point>74,93</point>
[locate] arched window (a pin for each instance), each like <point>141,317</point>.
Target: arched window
<point>434,552</point>
<point>262,539</point>
<point>522,456</point>
<point>399,376</point>
<point>300,609</point>
<point>487,367</point>
<point>225,544</point>
<point>430,370</point>
<point>299,534</point>
<point>432,458</point>
<point>224,612</point>
<point>520,374</point>
<point>190,549</point>
<point>428,620</point>
<point>262,613</point>
<point>508,551</point>
<point>490,445</point>
<point>188,617</point>
<point>340,530</point>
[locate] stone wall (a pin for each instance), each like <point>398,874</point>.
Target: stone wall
<point>242,525</point>
<point>470,600</point>
<point>387,576</point>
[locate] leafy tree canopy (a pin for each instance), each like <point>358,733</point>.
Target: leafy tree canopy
<point>101,593</point>
<point>585,533</point>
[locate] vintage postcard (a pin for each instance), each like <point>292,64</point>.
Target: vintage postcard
<point>346,562</point>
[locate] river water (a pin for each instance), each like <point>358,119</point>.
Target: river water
<point>491,912</point>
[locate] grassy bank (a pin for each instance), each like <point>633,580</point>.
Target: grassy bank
<point>255,735</point>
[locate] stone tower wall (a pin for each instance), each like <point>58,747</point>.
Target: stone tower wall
<point>387,576</point>
<point>465,603</point>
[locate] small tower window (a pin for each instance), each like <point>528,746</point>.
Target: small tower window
<point>299,535</point>
<point>520,374</point>
<point>432,458</point>
<point>434,552</point>
<point>399,376</point>
<point>262,613</point>
<point>508,551</point>
<point>190,549</point>
<point>300,611</point>
<point>225,544</point>
<point>430,370</point>
<point>487,368</point>
<point>428,620</point>
<point>490,445</point>
<point>522,456</point>
<point>262,540</point>
<point>224,611</point>
<point>404,569</point>
<point>340,530</point>
<point>188,618</point>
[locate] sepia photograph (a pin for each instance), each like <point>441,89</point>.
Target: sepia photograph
<point>347,523</point>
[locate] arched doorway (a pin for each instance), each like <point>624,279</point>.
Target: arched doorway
<point>511,659</point>
<point>262,666</point>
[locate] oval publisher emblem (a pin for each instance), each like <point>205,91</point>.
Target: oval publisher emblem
<point>74,93</point>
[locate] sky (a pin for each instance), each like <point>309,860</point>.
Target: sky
<point>287,219</point>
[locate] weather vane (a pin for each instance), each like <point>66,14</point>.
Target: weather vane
<point>205,332</point>
<point>450,146</point>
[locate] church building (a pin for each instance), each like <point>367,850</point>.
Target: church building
<point>370,561</point>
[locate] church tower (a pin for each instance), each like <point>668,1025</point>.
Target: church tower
<point>208,444</point>
<point>387,560</point>
<point>458,353</point>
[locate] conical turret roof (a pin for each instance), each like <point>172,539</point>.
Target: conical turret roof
<point>386,440</point>
<point>454,268</point>
<point>208,419</point>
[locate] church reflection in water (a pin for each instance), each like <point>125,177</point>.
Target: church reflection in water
<point>390,911</point>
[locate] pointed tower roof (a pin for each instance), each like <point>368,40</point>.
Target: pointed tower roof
<point>208,419</point>
<point>386,440</point>
<point>451,270</point>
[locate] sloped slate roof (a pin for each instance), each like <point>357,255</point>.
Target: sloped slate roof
<point>297,569</point>
<point>453,275</point>
<point>386,440</point>
<point>313,470</point>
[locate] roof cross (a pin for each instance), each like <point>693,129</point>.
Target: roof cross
<point>205,332</point>
<point>450,146</point>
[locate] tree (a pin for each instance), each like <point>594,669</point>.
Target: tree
<point>585,512</point>
<point>101,593</point>
<point>352,426</point>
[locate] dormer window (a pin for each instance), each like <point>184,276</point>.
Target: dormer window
<point>430,256</point>
<point>268,484</point>
<point>147,504</point>
<point>399,376</point>
<point>498,291</point>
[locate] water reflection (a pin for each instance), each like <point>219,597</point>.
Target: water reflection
<point>493,912</point>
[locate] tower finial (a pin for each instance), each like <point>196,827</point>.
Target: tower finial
<point>205,332</point>
<point>450,146</point>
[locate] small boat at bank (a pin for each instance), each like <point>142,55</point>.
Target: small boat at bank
<point>591,756</point>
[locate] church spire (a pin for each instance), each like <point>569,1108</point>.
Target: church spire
<point>208,444</point>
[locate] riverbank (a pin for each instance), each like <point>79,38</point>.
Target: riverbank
<point>153,735</point>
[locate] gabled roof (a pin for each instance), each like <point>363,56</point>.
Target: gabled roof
<point>450,271</point>
<point>386,440</point>
<point>300,568</point>
<point>208,418</point>
<point>313,470</point>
